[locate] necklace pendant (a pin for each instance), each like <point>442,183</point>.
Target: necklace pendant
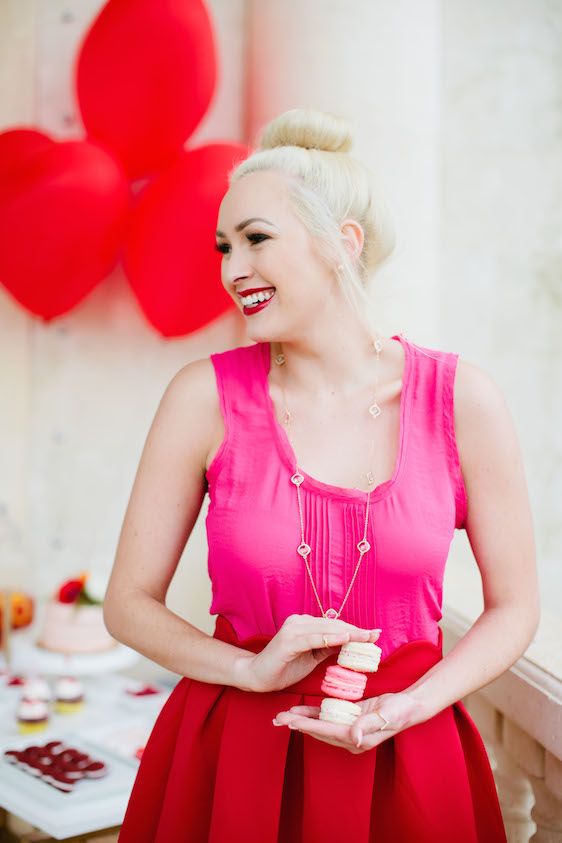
<point>303,549</point>
<point>363,546</point>
<point>297,478</point>
<point>279,359</point>
<point>331,613</point>
<point>375,410</point>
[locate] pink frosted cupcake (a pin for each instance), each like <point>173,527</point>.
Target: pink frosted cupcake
<point>32,715</point>
<point>69,695</point>
<point>37,688</point>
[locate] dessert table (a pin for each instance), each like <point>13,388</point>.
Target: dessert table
<point>111,726</point>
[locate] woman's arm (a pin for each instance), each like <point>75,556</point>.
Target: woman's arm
<point>165,501</point>
<point>499,526</point>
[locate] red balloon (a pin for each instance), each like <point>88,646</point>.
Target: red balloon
<point>170,256</point>
<point>63,211</point>
<point>145,76</point>
<point>16,148</point>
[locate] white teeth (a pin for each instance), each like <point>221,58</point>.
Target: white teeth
<point>255,298</point>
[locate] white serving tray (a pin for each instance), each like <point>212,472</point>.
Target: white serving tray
<point>93,804</point>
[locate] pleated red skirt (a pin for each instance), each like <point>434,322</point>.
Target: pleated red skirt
<point>216,770</point>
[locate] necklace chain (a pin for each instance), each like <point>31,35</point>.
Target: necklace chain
<point>297,479</point>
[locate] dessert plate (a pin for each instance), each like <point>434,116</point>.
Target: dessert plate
<point>119,777</point>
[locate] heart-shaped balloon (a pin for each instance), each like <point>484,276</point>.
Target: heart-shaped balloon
<point>170,256</point>
<point>145,77</point>
<point>16,147</point>
<point>63,212</point>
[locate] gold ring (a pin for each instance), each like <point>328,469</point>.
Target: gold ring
<point>326,645</point>
<point>386,722</point>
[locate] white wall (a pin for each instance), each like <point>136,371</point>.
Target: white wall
<point>501,244</point>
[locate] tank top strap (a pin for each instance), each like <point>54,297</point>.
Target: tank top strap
<point>238,374</point>
<point>432,427</point>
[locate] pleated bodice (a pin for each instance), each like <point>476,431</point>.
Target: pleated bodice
<point>253,526</point>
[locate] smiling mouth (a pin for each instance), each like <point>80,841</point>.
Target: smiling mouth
<point>254,306</point>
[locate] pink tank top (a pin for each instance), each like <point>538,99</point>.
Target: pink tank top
<point>253,526</point>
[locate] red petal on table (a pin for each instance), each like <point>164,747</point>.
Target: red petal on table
<point>144,691</point>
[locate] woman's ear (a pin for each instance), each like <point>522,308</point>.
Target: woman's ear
<point>353,236</point>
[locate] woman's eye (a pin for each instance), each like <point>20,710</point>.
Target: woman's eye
<point>253,238</point>
<point>257,238</point>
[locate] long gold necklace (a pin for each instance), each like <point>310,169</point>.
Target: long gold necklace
<point>298,479</point>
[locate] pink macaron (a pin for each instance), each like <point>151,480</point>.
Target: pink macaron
<point>343,683</point>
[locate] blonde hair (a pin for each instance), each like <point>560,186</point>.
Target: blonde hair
<point>327,185</point>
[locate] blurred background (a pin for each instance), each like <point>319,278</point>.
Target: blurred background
<point>457,111</point>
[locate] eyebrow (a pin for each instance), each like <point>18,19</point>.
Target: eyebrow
<point>244,223</point>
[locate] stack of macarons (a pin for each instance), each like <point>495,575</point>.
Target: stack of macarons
<point>346,681</point>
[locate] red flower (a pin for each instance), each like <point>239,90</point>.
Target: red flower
<point>70,591</point>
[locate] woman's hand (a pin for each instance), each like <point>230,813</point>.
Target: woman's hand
<point>298,647</point>
<point>400,709</point>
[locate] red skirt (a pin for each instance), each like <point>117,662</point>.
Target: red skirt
<point>216,770</point>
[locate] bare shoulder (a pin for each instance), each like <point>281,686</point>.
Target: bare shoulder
<point>499,521</point>
<point>197,377</point>
<point>482,414</point>
<point>476,390</point>
<point>168,488</point>
<point>488,444</point>
<point>191,403</point>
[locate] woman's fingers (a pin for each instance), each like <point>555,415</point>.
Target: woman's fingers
<point>334,639</point>
<point>366,723</point>
<point>327,626</point>
<point>311,625</point>
<point>305,631</point>
<point>297,710</point>
<point>307,710</point>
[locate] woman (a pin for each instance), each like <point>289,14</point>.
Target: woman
<point>338,464</point>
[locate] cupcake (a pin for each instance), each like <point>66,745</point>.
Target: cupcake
<point>37,688</point>
<point>32,715</point>
<point>69,695</point>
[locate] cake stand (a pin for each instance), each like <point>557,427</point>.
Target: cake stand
<point>26,657</point>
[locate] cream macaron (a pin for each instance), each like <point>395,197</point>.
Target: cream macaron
<point>339,711</point>
<point>362,656</point>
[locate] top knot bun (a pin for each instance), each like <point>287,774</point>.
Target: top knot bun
<point>308,129</point>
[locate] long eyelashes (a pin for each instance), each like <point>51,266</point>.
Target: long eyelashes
<point>253,238</point>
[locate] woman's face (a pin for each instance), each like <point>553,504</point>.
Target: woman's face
<point>265,245</point>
